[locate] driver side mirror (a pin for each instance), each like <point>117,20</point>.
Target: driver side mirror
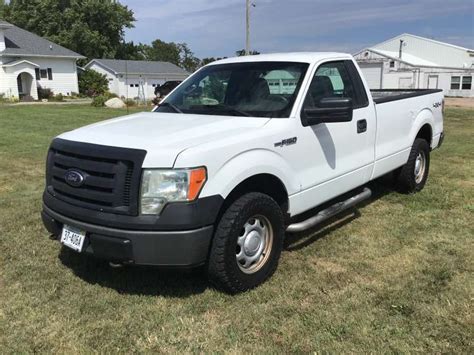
<point>328,110</point>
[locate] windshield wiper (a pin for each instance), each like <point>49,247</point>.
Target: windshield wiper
<point>173,106</point>
<point>229,109</point>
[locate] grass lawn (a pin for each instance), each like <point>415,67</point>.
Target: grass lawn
<point>394,275</point>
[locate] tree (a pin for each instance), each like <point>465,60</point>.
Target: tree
<point>2,8</point>
<point>241,53</point>
<point>177,53</point>
<point>131,51</point>
<point>206,61</point>
<point>163,51</point>
<point>92,83</point>
<point>93,28</point>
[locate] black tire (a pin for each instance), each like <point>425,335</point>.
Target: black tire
<point>223,268</point>
<point>406,180</point>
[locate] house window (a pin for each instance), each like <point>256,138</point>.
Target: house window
<point>50,74</point>
<point>392,64</point>
<point>466,82</point>
<point>37,74</point>
<point>131,85</point>
<point>43,73</point>
<point>136,85</point>
<point>455,82</point>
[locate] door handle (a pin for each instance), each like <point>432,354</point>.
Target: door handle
<point>361,126</point>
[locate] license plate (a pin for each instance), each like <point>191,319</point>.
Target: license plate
<point>73,237</point>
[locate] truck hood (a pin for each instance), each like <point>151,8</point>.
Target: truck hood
<point>163,135</point>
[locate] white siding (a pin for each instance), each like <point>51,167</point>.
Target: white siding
<point>442,54</point>
<point>119,84</point>
<point>64,74</point>
<point>402,76</point>
<point>373,74</point>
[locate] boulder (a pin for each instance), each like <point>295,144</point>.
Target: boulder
<point>115,102</point>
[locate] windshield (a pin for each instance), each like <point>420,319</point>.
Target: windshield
<point>262,89</point>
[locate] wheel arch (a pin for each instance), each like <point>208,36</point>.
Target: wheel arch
<point>423,126</point>
<point>269,173</point>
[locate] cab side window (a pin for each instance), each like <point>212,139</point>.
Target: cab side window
<point>330,80</point>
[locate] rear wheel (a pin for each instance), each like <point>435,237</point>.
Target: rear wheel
<point>247,243</point>
<point>413,175</point>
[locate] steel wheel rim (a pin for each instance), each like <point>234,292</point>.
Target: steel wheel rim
<point>254,244</point>
<point>420,167</point>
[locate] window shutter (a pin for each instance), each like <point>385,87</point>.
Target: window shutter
<point>37,72</point>
<point>50,74</point>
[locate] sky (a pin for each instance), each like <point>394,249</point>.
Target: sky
<point>216,28</point>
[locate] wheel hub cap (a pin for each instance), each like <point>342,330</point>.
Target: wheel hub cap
<point>420,164</point>
<point>254,244</point>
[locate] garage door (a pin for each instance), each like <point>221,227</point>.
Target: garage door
<point>373,74</point>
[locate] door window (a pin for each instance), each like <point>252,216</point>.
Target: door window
<point>330,80</point>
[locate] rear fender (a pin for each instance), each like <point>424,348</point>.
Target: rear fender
<point>424,117</point>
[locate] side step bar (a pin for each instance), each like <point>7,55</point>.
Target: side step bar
<point>329,212</point>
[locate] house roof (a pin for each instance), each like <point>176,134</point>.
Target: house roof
<point>18,62</point>
<point>20,42</point>
<point>138,66</point>
<point>423,52</point>
<point>5,24</point>
<point>406,58</point>
<point>403,35</point>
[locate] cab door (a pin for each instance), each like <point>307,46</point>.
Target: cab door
<point>337,156</point>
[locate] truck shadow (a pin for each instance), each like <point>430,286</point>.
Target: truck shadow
<point>297,241</point>
<point>136,280</point>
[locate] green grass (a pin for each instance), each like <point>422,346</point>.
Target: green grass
<point>394,276</point>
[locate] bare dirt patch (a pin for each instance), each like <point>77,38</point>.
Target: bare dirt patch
<point>467,102</point>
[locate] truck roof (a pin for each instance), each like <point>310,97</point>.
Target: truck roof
<point>302,57</point>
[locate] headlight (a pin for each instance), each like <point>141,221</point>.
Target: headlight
<point>162,186</point>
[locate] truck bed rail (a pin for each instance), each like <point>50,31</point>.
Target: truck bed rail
<point>381,96</point>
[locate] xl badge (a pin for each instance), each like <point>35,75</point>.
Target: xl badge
<point>74,178</point>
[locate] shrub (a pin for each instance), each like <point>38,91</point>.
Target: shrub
<point>99,101</point>
<point>130,102</point>
<point>110,95</point>
<point>44,93</point>
<point>92,83</point>
<point>59,97</point>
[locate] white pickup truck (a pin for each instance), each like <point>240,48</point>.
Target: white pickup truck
<point>231,159</point>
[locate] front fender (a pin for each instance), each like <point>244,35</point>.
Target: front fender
<point>223,179</point>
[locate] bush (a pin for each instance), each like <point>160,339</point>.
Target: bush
<point>92,83</point>
<point>110,95</point>
<point>99,101</point>
<point>130,102</point>
<point>59,97</point>
<point>44,93</point>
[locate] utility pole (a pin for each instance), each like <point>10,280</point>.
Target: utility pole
<point>247,20</point>
<point>247,33</point>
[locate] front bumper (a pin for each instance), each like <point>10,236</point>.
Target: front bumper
<point>185,248</point>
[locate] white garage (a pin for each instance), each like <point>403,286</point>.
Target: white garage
<point>373,74</point>
<point>412,62</point>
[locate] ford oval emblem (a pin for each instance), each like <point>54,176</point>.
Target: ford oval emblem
<point>74,177</point>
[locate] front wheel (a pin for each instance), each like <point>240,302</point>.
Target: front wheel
<point>413,175</point>
<point>247,243</point>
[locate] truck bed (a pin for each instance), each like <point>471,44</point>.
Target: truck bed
<point>381,96</point>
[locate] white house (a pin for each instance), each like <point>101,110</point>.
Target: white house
<point>414,62</point>
<point>28,61</point>
<point>136,78</point>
